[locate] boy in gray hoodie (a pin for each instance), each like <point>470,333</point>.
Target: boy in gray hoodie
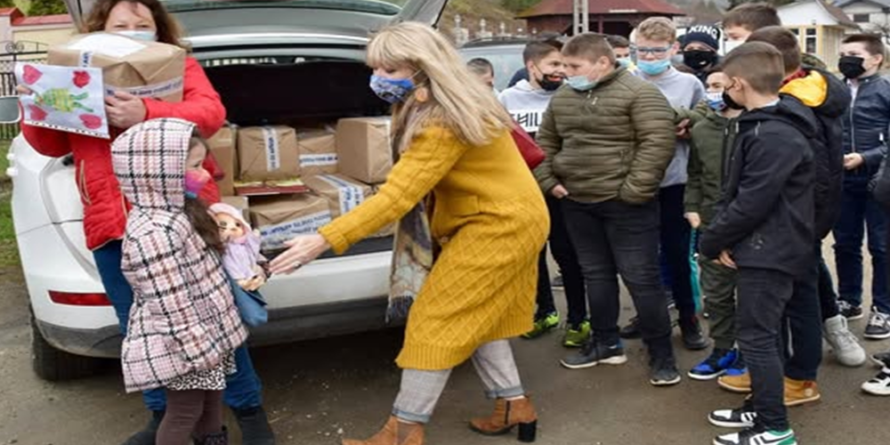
<point>656,43</point>
<point>526,102</point>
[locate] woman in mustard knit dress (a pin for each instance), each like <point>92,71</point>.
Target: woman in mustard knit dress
<point>488,222</point>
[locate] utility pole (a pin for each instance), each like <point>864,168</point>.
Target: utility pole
<point>581,16</point>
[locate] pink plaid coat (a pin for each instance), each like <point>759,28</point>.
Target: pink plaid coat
<point>183,317</point>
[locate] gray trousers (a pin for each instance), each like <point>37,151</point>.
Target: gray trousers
<point>420,390</point>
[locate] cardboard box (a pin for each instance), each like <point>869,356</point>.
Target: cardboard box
<point>238,202</point>
<point>222,146</point>
<point>364,148</point>
<point>341,193</point>
<point>267,153</point>
<point>281,218</point>
<point>318,152</point>
<point>144,69</point>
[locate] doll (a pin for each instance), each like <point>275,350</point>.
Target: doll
<point>242,260</point>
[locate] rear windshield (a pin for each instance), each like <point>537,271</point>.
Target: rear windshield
<point>367,6</point>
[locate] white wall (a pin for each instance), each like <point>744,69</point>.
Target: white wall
<point>805,14</point>
<point>865,7</point>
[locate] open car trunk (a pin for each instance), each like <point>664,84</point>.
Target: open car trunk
<point>306,94</point>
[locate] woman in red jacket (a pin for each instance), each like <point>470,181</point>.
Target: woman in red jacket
<point>105,209</point>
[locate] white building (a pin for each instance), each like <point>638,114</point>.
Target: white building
<point>871,15</point>
<point>820,27</point>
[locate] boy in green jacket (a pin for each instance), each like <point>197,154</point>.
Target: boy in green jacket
<point>609,137</point>
<point>711,145</point>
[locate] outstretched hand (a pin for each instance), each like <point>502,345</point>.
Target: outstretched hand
<point>301,251</point>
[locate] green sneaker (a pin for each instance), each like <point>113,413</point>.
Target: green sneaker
<point>543,326</point>
<point>576,336</point>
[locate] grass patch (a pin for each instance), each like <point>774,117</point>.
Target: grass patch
<point>9,252</point>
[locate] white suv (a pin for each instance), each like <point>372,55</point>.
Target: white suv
<point>272,62</point>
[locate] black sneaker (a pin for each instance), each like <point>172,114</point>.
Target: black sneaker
<point>881,360</point>
<point>595,352</point>
<point>632,330</point>
<point>743,417</point>
<point>878,325</point>
<point>255,427</point>
<point>693,338</point>
<point>663,372</point>
<point>849,311</point>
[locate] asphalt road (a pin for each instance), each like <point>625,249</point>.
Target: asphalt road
<point>317,391</point>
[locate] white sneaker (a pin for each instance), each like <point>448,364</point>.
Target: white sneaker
<point>879,385</point>
<point>757,436</point>
<point>846,346</point>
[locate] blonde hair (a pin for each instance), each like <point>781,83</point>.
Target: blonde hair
<point>658,28</point>
<point>457,100</point>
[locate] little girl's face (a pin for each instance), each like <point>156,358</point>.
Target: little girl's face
<point>195,159</point>
<point>229,227</point>
<point>195,175</point>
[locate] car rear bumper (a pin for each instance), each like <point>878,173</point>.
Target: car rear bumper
<point>285,325</point>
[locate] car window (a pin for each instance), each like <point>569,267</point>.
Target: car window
<point>506,60</point>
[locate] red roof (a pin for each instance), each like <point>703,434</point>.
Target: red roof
<point>5,12</point>
<point>58,19</point>
<point>603,7</point>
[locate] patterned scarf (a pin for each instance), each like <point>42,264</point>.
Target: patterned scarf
<point>413,248</point>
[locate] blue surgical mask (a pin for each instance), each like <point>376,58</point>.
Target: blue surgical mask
<point>625,62</point>
<point>715,101</point>
<point>581,83</point>
<point>392,90</point>
<point>144,35</point>
<point>655,67</point>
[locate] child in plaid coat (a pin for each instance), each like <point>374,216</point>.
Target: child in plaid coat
<point>184,325</point>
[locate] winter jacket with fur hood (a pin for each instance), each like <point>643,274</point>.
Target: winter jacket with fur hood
<point>183,317</point>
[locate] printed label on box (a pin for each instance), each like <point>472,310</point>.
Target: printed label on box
<point>350,195</point>
<point>273,154</point>
<point>318,160</point>
<point>274,236</point>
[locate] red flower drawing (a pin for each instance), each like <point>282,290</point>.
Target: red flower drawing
<point>31,75</point>
<point>91,121</point>
<point>37,113</point>
<point>81,79</point>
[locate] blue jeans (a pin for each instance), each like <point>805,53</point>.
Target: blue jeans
<point>243,389</point>
<point>859,211</point>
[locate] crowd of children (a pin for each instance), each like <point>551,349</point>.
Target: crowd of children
<point>642,154</point>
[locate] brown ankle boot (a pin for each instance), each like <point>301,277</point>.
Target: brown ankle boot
<point>508,414</point>
<point>393,433</point>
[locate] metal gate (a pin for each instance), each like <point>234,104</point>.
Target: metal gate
<point>10,53</point>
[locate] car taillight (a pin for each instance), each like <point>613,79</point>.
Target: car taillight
<point>75,299</point>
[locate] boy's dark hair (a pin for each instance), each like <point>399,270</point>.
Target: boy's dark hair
<point>759,63</point>
<point>785,41</point>
<point>752,16</point>
<point>480,66</point>
<point>618,41</point>
<point>873,43</point>
<point>537,51</point>
<point>590,46</point>
<point>199,214</point>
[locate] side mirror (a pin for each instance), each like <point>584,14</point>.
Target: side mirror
<point>10,110</point>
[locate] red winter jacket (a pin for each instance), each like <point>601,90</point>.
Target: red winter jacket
<point>105,209</point>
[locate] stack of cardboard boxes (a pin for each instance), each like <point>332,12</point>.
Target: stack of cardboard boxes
<point>336,171</point>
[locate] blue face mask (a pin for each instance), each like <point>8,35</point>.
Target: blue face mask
<point>625,62</point>
<point>581,83</point>
<point>392,90</point>
<point>144,35</point>
<point>654,68</point>
<point>716,102</point>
